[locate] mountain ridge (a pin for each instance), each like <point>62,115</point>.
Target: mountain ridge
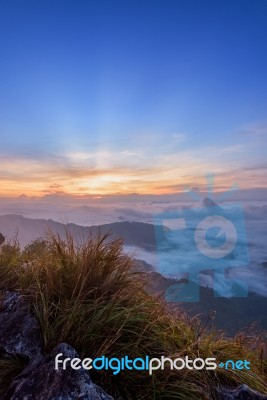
<point>139,234</point>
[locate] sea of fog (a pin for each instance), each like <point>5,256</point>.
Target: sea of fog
<point>254,274</point>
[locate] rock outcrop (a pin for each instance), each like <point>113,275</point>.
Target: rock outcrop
<point>20,335</point>
<point>19,330</point>
<point>39,380</point>
<point>243,392</point>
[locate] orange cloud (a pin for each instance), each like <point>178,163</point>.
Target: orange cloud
<point>125,172</point>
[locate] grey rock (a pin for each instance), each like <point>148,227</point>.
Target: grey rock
<point>207,202</point>
<point>243,392</point>
<point>41,381</point>
<point>19,329</point>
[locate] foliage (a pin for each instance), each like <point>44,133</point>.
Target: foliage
<point>88,295</point>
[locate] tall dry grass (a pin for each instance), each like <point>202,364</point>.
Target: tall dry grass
<point>88,295</point>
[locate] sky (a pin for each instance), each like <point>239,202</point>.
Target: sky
<point>103,97</point>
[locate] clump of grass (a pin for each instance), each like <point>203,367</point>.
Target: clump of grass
<point>9,368</point>
<point>88,295</point>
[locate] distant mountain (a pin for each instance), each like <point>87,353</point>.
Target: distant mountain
<point>207,202</point>
<point>27,229</point>
<point>231,314</point>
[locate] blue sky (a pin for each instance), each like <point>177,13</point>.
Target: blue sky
<point>97,94</point>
